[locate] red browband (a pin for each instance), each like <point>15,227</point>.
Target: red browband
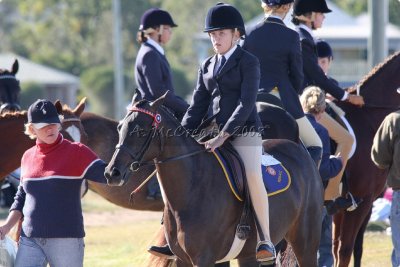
<point>156,116</point>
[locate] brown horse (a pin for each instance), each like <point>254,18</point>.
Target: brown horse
<point>14,142</point>
<point>201,213</point>
<point>97,132</point>
<point>364,179</point>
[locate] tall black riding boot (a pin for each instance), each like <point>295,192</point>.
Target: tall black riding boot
<point>316,154</point>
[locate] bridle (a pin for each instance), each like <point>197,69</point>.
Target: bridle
<point>137,157</point>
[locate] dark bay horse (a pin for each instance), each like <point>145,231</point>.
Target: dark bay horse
<point>9,89</point>
<point>364,179</point>
<point>201,213</point>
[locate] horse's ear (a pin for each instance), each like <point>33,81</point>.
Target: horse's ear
<point>58,106</point>
<point>15,67</point>
<point>80,107</point>
<point>137,96</point>
<point>159,101</point>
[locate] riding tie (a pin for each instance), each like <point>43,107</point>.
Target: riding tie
<point>223,60</point>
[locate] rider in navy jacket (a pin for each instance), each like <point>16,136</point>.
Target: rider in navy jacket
<point>308,15</point>
<point>152,70</point>
<point>227,86</point>
<point>278,49</point>
<point>235,112</point>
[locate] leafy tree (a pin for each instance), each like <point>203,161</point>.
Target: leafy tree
<point>356,7</point>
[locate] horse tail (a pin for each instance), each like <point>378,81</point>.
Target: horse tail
<point>155,261</point>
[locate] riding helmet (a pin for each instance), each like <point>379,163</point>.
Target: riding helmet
<point>224,16</point>
<point>277,2</point>
<point>42,112</point>
<point>324,49</point>
<point>154,17</point>
<point>302,7</point>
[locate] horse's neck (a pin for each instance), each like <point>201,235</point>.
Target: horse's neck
<point>13,142</point>
<point>177,175</point>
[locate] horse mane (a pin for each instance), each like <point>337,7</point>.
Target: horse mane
<point>376,70</point>
<point>13,114</point>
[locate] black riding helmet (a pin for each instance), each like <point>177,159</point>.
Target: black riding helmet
<point>155,17</point>
<point>223,16</point>
<point>302,7</point>
<point>277,2</point>
<point>324,49</point>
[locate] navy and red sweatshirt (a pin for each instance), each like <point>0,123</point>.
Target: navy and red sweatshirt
<point>49,192</point>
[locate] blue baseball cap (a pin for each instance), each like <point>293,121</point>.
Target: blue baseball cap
<point>42,113</point>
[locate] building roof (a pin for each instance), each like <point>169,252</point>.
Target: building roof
<point>30,71</point>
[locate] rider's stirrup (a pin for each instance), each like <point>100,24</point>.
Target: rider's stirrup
<point>354,203</point>
<point>265,252</point>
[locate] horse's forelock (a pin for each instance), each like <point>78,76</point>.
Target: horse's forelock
<point>378,69</point>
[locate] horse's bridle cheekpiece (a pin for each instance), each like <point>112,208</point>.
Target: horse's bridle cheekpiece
<point>137,157</point>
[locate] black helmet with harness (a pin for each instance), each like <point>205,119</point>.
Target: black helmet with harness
<point>224,16</point>
<point>304,7</point>
<point>154,18</point>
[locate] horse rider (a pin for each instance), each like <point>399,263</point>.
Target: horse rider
<point>308,15</point>
<point>228,82</point>
<point>278,49</point>
<point>153,74</point>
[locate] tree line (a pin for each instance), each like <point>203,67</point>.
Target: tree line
<point>76,36</point>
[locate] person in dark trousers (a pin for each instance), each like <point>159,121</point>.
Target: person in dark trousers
<point>152,71</point>
<point>385,154</point>
<point>308,15</point>
<point>313,102</point>
<point>278,49</point>
<point>48,197</point>
<point>228,82</point>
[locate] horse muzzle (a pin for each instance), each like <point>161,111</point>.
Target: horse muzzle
<point>114,177</point>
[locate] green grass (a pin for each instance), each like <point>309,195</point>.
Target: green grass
<point>120,245</point>
<point>117,243</point>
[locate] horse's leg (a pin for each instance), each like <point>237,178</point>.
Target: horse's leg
<point>337,224</point>
<point>358,246</point>
<point>352,222</point>
<point>180,263</point>
<point>304,239</point>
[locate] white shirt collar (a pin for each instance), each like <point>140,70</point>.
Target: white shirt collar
<point>273,16</point>
<point>156,45</point>
<point>228,54</point>
<point>307,29</point>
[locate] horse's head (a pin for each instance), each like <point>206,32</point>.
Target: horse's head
<point>138,134</point>
<point>72,128</point>
<point>9,89</point>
